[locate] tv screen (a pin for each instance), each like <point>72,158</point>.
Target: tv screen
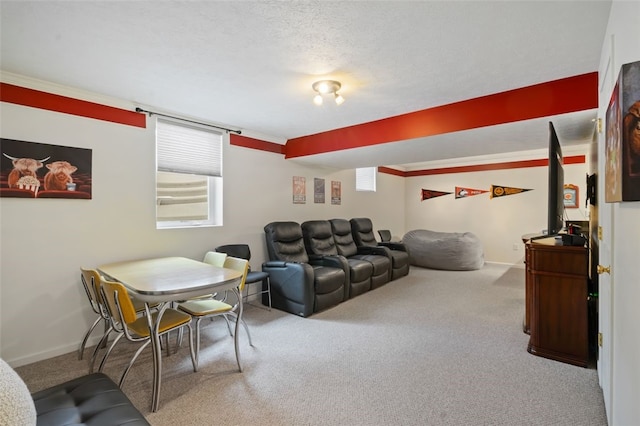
<point>555,210</point>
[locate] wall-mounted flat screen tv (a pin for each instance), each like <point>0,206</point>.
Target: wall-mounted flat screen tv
<point>555,207</point>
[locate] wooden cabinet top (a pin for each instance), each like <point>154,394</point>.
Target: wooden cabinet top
<point>550,256</point>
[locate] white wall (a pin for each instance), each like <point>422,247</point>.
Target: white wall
<point>623,36</point>
<point>498,222</point>
<point>43,309</point>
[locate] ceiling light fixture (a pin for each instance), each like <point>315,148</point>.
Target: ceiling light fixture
<point>325,87</point>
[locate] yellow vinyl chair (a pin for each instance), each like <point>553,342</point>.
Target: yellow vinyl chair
<point>91,280</point>
<point>214,258</point>
<point>205,308</point>
<point>135,328</point>
<point>91,283</point>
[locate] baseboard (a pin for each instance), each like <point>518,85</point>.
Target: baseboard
<point>53,352</point>
<point>519,265</point>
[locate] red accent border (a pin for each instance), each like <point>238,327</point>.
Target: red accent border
<point>247,142</point>
<point>391,171</point>
<point>570,94</point>
<point>575,159</point>
<point>49,101</point>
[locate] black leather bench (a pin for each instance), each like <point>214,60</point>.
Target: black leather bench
<point>92,400</point>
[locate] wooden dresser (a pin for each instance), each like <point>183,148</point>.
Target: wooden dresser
<point>556,301</point>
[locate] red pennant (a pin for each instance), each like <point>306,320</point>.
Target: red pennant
<point>427,194</point>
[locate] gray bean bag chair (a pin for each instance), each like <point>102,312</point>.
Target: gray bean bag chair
<point>455,251</point>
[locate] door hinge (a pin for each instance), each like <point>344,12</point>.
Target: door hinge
<point>600,233</point>
<point>600,339</point>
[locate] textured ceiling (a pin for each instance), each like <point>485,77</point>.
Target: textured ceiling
<point>250,65</point>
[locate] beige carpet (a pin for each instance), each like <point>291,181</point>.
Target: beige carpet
<point>433,348</point>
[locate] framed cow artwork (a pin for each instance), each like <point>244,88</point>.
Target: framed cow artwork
<point>38,170</point>
<point>622,143</point>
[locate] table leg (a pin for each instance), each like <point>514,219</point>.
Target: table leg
<point>236,340</point>
<point>157,354</point>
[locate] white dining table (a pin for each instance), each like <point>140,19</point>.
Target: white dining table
<point>165,280</point>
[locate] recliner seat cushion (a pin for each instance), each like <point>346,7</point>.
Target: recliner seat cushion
<point>360,269</point>
<point>328,280</point>
<point>380,264</point>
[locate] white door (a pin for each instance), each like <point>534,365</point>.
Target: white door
<point>605,236</point>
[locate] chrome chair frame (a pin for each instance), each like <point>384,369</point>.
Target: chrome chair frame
<point>96,306</point>
<point>243,251</point>
<point>210,308</point>
<point>139,330</point>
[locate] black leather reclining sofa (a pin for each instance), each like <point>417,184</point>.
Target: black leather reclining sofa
<point>320,264</point>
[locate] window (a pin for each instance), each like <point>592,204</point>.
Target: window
<point>366,179</point>
<point>189,175</point>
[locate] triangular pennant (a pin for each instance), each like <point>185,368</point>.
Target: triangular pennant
<point>462,192</point>
<point>503,191</point>
<point>427,194</point>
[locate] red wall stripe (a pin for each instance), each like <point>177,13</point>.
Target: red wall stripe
<point>576,159</point>
<point>391,171</point>
<point>570,94</point>
<point>248,142</point>
<point>49,101</point>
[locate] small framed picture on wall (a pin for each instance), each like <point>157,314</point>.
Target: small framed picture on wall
<point>571,196</point>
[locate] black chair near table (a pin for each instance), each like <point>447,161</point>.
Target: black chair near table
<point>243,251</point>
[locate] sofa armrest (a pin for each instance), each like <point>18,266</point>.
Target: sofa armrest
<point>394,245</point>
<point>330,261</point>
<point>292,281</point>
<point>377,250</point>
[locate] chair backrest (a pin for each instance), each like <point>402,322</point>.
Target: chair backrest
<point>240,265</point>
<point>118,303</point>
<point>236,250</point>
<point>215,258</point>
<point>341,229</point>
<point>285,242</point>
<point>385,235</point>
<point>91,282</point>
<point>318,238</point>
<point>362,230</point>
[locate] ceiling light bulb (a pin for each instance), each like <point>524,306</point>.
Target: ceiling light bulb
<point>339,99</point>
<point>317,99</point>
<point>323,87</point>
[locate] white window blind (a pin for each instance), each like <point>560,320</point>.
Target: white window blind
<point>366,179</point>
<point>188,149</point>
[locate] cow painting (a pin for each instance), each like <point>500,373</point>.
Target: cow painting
<point>23,167</point>
<point>58,176</point>
<point>33,170</point>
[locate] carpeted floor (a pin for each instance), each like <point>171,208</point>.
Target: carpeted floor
<point>432,348</point>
